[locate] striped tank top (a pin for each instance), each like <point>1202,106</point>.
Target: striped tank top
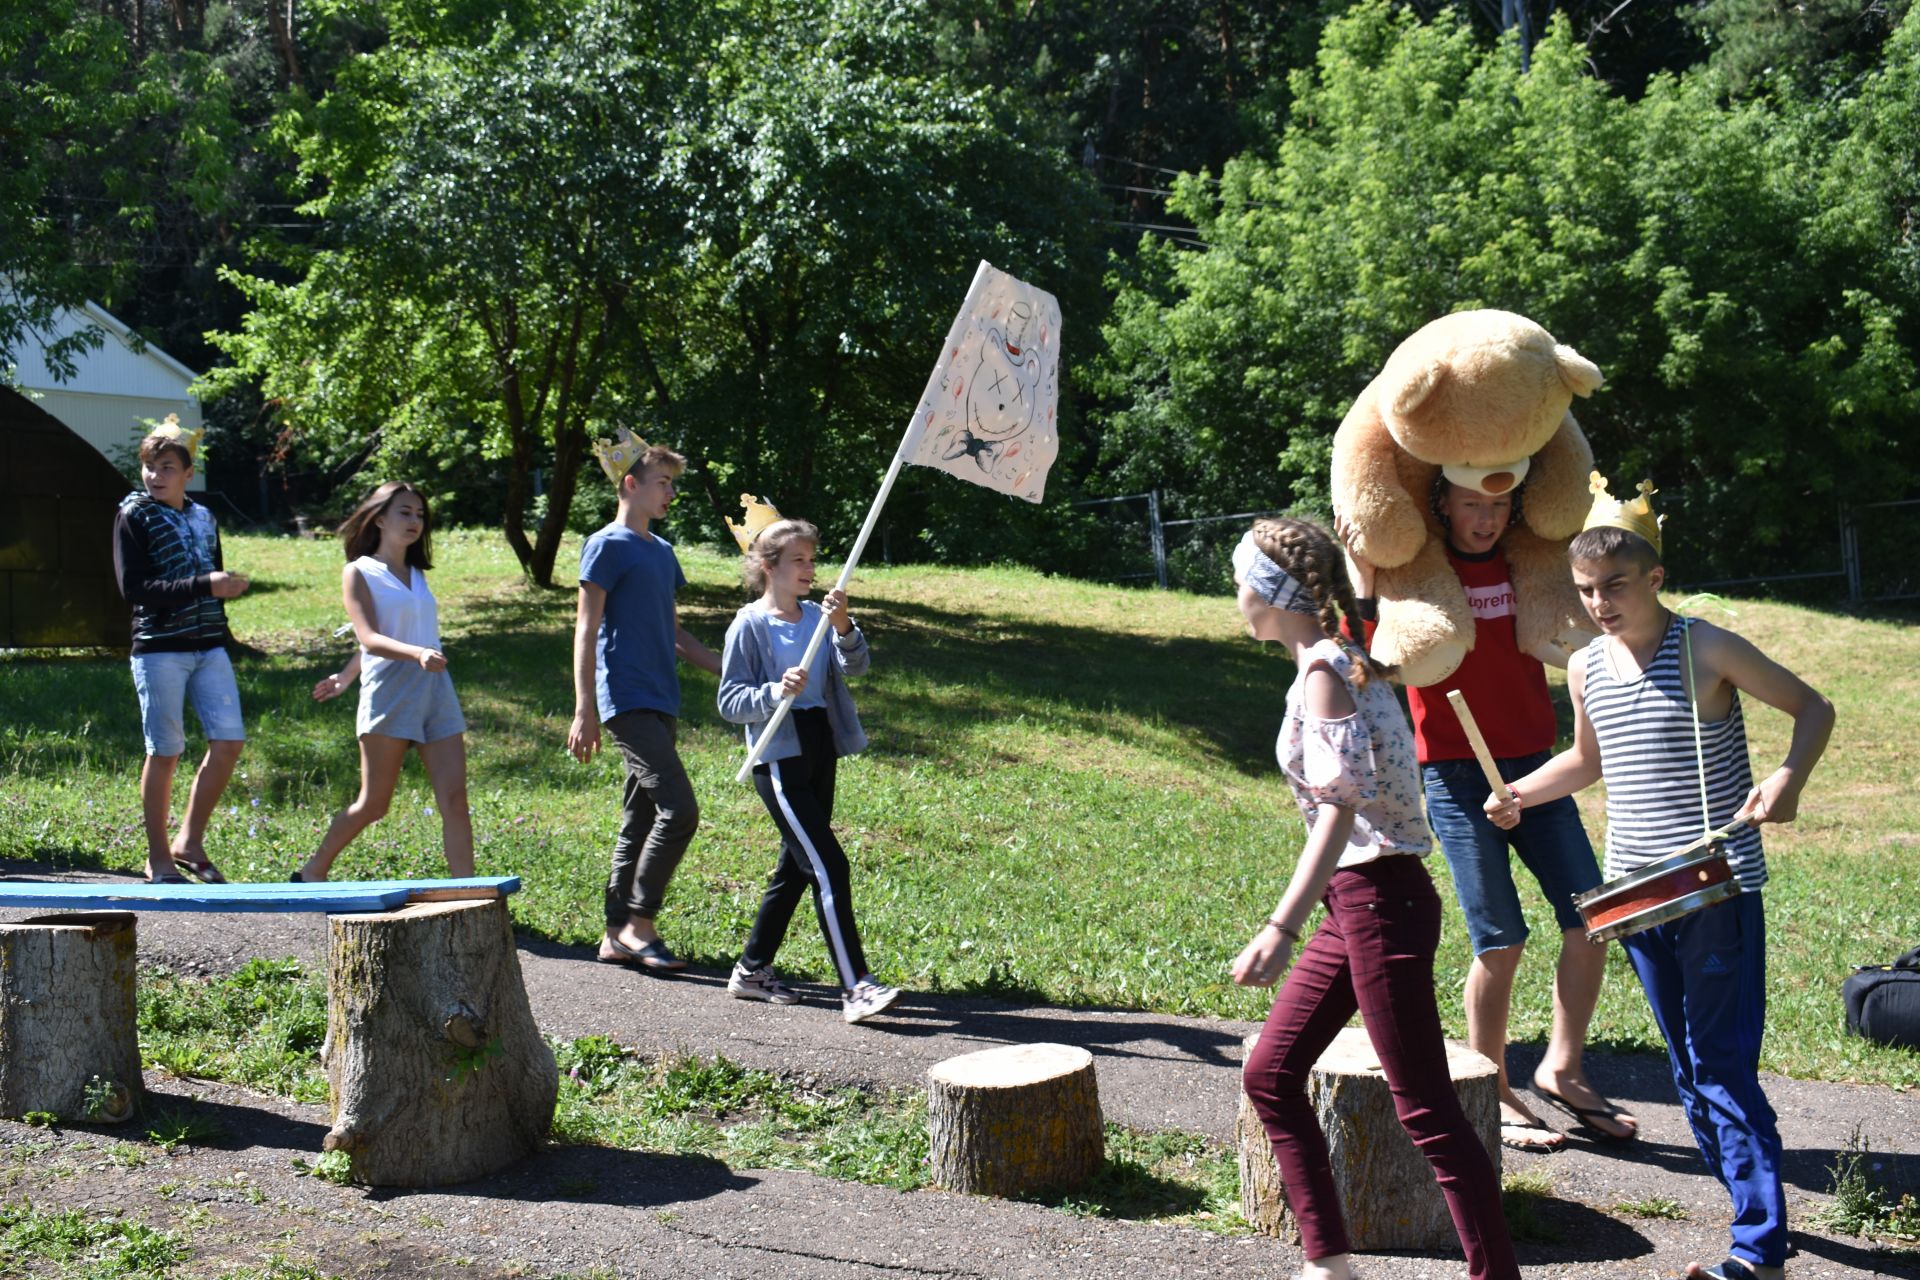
<point>1645,729</point>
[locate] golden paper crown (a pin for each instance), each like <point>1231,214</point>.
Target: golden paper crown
<point>755,515</point>
<point>172,432</point>
<point>1635,516</point>
<point>617,458</point>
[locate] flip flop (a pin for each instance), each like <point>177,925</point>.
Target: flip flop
<point>201,868</point>
<point>1535,1137</point>
<point>1732,1269</point>
<point>172,877</point>
<point>1585,1116</point>
<point>652,956</point>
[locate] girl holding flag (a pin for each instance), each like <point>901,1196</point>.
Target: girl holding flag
<point>795,777</point>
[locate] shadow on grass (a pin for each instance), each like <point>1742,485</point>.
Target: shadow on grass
<point>939,673</point>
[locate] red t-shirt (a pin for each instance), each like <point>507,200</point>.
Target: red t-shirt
<point>1505,689</point>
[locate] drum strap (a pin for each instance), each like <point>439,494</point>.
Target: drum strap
<point>1699,754</point>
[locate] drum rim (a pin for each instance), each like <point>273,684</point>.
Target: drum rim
<point>1663,912</point>
<point>1653,871</point>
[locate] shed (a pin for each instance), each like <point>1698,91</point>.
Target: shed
<point>116,388</point>
<point>57,501</point>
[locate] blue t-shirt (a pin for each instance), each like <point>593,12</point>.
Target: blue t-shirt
<point>790,645</point>
<point>635,667</point>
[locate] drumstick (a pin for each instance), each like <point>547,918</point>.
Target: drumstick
<point>1480,752</point>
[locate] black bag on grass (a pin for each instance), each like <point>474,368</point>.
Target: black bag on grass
<point>1883,1001</point>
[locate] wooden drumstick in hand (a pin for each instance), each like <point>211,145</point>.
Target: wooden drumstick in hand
<point>1494,781</point>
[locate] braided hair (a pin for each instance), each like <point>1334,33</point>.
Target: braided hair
<point>1311,557</point>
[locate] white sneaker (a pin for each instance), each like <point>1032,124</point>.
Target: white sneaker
<point>866,999</point>
<point>760,984</point>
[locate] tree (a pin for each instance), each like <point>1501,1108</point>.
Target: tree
<point>741,231</point>
<point>502,203</point>
<point>1705,255</point>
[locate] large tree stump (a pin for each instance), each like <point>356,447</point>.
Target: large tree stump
<point>1387,1189</point>
<point>438,1072</point>
<point>1015,1120</point>
<point>68,1043</point>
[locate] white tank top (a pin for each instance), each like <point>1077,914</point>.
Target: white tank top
<point>406,612</point>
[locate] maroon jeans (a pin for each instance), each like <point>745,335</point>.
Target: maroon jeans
<point>1374,953</point>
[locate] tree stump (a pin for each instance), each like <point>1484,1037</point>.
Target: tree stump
<point>1015,1120</point>
<point>68,1043</point>
<point>1387,1188</point>
<point>438,1072</point>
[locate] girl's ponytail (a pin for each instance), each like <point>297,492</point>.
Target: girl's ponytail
<point>1311,557</point>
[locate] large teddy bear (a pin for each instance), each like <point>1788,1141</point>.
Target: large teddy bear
<point>1482,396</point>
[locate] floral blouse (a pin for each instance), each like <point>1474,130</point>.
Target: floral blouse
<point>1364,761</point>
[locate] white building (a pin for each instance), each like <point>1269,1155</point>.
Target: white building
<point>117,388</point>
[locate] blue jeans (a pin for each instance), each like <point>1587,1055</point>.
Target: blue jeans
<point>165,681</point>
<point>1550,841</point>
<point>1705,975</point>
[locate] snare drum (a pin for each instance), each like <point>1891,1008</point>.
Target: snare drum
<point>1677,885</point>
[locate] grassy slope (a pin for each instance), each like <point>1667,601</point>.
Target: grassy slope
<point>1071,792</point>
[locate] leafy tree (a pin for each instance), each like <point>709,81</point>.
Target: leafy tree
<point>1701,253</point>
<point>1798,43</point>
<point>501,208</point>
<point>739,230</point>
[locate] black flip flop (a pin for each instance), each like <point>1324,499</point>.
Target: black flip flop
<point>1585,1116</point>
<point>1546,1142</point>
<point>201,869</point>
<point>172,877</point>
<point>653,956</point>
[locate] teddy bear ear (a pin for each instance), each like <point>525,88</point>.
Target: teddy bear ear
<point>1582,376</point>
<point>1419,387</point>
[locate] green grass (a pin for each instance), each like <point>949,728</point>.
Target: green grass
<point>1071,794</point>
<point>261,1026</point>
<point>1864,1204</point>
<point>98,1246</point>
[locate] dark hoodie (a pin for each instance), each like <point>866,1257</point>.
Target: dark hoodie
<point>164,561</point>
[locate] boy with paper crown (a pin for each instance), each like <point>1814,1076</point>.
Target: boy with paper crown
<point>1656,705</point>
<point>167,561</point>
<point>626,637</point>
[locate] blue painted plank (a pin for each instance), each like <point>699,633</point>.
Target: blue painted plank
<point>334,897</point>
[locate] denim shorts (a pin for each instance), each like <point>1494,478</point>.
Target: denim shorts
<point>1550,841</point>
<point>165,681</point>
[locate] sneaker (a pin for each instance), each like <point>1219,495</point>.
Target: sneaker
<point>866,999</point>
<point>760,984</point>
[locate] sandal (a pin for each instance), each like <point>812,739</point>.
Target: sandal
<point>652,956</point>
<point>201,868</point>
<point>172,877</point>
<point>1524,1135</point>
<point>1585,1116</point>
<point>1732,1269</point>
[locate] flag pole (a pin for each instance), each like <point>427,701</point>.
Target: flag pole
<point>909,444</point>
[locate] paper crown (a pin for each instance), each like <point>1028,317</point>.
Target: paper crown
<point>755,515</point>
<point>1635,516</point>
<point>172,432</point>
<point>617,458</point>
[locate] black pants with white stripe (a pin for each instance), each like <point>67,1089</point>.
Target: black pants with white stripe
<point>798,792</point>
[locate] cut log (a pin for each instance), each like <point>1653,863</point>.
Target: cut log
<point>1014,1121</point>
<point>68,1041</point>
<point>438,1072</point>
<point>1387,1188</point>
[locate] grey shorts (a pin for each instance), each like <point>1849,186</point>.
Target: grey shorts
<point>405,700</point>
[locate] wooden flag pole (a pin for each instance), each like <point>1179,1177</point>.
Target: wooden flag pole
<point>909,445</point>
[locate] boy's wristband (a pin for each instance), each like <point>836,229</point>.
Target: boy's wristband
<point>1285,931</point>
<point>1514,795</point>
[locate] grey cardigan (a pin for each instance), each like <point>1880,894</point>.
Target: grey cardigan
<point>750,687</point>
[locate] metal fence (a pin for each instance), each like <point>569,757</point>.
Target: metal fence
<point>1873,561</point>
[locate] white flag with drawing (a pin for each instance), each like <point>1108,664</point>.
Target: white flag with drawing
<point>988,413</point>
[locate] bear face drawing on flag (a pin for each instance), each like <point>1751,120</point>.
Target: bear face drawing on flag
<point>1002,393</point>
